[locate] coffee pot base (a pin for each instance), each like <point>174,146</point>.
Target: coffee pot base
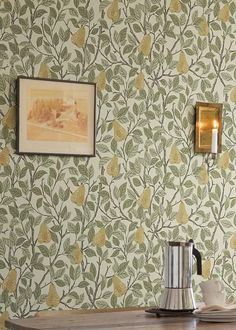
<point>180,299</point>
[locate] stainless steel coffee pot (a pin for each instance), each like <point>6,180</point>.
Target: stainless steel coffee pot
<point>178,292</point>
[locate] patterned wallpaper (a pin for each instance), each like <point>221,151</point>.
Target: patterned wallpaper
<point>82,232</point>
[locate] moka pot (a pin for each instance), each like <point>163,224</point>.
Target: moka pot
<point>178,292</point>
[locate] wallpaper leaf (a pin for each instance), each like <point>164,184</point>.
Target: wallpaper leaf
<point>81,232</point>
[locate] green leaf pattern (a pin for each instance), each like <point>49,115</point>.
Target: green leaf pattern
<point>103,247</point>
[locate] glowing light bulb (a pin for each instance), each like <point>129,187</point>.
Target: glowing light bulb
<point>214,139</point>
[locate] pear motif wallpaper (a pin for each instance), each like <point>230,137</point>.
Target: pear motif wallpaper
<point>82,232</point>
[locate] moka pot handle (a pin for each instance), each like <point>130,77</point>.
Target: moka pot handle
<point>198,257</point>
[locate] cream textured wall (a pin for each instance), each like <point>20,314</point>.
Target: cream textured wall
<point>89,232</point>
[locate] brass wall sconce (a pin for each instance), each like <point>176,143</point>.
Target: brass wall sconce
<point>208,130</point>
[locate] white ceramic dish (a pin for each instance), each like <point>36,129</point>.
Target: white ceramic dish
<point>221,313</point>
<point>215,319</point>
<point>217,314</point>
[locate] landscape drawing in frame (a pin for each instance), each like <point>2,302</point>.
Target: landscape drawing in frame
<point>55,117</point>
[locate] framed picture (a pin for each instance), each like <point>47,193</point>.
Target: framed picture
<point>208,130</point>
<point>55,117</point>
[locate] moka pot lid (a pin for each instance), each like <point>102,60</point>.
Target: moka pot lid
<point>171,243</point>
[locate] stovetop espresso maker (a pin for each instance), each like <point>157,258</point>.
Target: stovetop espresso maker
<point>178,292</point>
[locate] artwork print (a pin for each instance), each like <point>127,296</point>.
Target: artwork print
<point>56,117</point>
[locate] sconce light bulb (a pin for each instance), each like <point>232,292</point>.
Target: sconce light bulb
<point>214,141</point>
<point>215,124</point>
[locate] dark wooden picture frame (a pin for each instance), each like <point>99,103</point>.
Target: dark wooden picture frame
<point>206,114</point>
<point>55,117</point>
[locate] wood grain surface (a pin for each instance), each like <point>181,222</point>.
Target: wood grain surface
<point>125,320</point>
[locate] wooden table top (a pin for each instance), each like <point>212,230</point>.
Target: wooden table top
<point>125,320</point>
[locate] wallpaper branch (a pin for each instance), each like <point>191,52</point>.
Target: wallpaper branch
<point>89,233</point>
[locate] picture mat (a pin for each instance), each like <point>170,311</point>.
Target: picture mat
<point>66,143</point>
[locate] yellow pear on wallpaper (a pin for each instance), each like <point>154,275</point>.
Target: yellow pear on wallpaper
<point>139,81</point>
<point>182,215</point>
<point>113,11</point>
<point>77,255</point>
<point>4,156</point>
<point>175,157</point>
<point>120,132</point>
<point>44,71</point>
<point>9,120</point>
<point>145,45</point>
<point>9,282</point>
<point>44,234</point>
<point>203,27</point>
<point>223,161</point>
<point>3,317</point>
<point>119,287</point>
<point>175,6</point>
<point>101,81</point>
<point>53,299</point>
<point>139,235</point>
<point>100,237</point>
<point>233,94</point>
<point>233,242</point>
<point>203,175</point>
<point>182,66</point>
<point>78,38</point>
<point>206,268</point>
<point>78,196</point>
<point>145,198</point>
<point>113,168</point>
<point>224,13</point>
